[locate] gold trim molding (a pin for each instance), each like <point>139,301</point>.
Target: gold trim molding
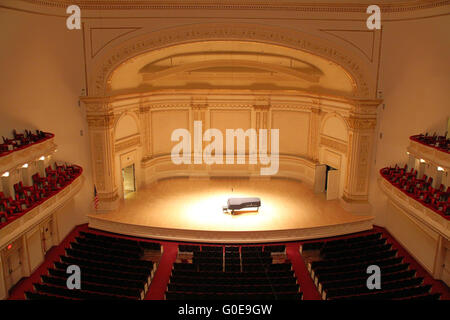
<point>307,6</point>
<point>355,66</point>
<point>335,145</point>
<point>128,143</point>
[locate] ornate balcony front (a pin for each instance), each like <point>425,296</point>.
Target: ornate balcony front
<point>430,153</point>
<point>29,153</point>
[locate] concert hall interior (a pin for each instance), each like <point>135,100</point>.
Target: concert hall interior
<point>224,150</point>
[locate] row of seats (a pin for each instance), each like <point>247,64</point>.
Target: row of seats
<point>339,270</point>
<point>244,249</point>
<point>28,197</point>
<point>232,272</point>
<point>437,199</point>
<point>112,268</point>
<point>436,141</point>
<point>22,140</point>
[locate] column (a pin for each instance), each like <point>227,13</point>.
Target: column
<point>314,134</point>
<point>360,144</point>
<point>101,133</point>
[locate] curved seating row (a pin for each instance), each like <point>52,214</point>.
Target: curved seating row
<point>22,140</point>
<point>420,189</point>
<point>27,198</point>
<point>441,143</point>
<point>339,270</point>
<point>108,272</point>
<point>232,272</point>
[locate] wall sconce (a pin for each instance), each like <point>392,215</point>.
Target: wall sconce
<point>25,165</point>
<point>422,161</point>
<point>42,158</point>
<point>6,174</point>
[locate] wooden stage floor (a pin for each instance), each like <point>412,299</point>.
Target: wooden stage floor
<point>187,209</point>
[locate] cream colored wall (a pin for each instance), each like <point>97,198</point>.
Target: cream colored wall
<point>34,248</point>
<point>3,293</point>
<point>294,131</point>
<point>414,78</point>
<point>42,76</point>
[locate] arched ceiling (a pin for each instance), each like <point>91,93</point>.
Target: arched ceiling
<point>230,65</point>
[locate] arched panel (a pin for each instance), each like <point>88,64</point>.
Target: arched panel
<point>126,127</point>
<point>352,66</point>
<point>335,127</point>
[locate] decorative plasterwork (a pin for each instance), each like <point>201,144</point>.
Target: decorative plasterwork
<point>326,6</point>
<point>101,121</point>
<point>127,143</point>
<point>119,32</point>
<point>357,69</point>
<point>361,123</point>
<point>366,35</point>
<point>333,144</point>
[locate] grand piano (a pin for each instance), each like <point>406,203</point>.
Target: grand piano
<point>234,204</point>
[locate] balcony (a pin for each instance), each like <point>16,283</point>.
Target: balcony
<point>10,159</point>
<point>431,150</point>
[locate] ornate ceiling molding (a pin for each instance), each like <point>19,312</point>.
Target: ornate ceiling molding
<point>302,6</point>
<point>357,69</point>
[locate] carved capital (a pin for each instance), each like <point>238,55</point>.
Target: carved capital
<point>101,121</point>
<point>361,123</point>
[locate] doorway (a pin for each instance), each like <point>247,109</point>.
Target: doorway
<point>129,180</point>
<point>47,236</point>
<point>13,267</point>
<point>332,182</point>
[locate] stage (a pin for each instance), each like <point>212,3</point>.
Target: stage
<point>189,209</point>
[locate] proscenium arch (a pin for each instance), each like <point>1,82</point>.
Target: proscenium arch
<point>113,58</point>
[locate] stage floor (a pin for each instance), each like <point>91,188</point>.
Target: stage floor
<point>191,210</point>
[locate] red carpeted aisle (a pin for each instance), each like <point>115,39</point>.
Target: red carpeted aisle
<point>162,274</point>
<point>307,286</point>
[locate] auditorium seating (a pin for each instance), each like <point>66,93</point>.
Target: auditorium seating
<point>112,268</point>
<point>437,199</point>
<point>339,270</point>
<point>28,197</point>
<point>243,273</point>
<point>20,141</point>
<point>442,143</point>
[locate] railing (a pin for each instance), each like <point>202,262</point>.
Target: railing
<point>47,136</point>
<point>440,143</point>
<point>10,218</point>
<point>400,181</point>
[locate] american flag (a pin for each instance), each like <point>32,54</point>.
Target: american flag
<point>95,198</point>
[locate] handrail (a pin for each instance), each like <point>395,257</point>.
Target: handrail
<point>48,136</point>
<point>416,139</point>
<point>40,202</point>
